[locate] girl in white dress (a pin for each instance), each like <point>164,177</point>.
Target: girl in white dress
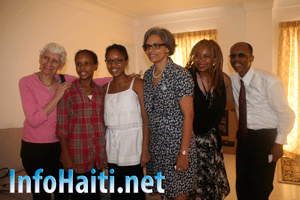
<point>127,135</point>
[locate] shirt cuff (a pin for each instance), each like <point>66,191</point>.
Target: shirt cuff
<point>62,133</point>
<point>281,139</point>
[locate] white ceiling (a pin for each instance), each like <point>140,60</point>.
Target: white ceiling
<point>141,8</point>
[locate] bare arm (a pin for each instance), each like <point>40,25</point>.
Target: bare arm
<point>102,81</point>
<point>105,87</point>
<point>187,109</point>
<point>229,95</point>
<point>139,89</point>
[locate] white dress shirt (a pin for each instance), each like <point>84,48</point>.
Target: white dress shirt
<point>267,105</point>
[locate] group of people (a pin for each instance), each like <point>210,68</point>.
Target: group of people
<point>167,122</point>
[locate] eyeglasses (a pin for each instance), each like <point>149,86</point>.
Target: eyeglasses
<point>240,55</point>
<point>117,61</point>
<point>154,46</point>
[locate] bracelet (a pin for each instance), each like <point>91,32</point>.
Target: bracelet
<point>184,153</point>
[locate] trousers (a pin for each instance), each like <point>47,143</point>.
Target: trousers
<point>47,157</point>
<point>254,174</point>
<point>119,174</point>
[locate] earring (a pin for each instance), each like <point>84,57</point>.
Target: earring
<point>167,53</point>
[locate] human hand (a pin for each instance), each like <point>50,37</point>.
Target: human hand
<point>61,89</point>
<point>182,163</point>
<point>277,152</point>
<point>145,158</point>
<point>104,165</point>
<point>134,75</point>
<point>67,161</point>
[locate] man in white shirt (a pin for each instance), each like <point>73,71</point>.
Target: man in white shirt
<point>269,120</point>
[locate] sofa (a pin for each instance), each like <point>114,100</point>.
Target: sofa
<point>10,145</point>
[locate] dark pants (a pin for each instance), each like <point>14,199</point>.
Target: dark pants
<point>89,195</point>
<point>46,156</point>
<point>254,174</point>
<point>119,177</point>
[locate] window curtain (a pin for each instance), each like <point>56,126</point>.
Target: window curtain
<point>186,41</point>
<point>288,71</point>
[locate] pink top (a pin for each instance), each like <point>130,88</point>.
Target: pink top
<point>38,127</point>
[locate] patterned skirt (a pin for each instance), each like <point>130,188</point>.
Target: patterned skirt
<point>212,180</point>
<point>163,159</point>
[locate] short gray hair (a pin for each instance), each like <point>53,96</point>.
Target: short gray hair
<point>165,35</point>
<point>55,48</point>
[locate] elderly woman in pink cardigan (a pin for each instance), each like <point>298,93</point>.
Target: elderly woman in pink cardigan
<point>40,93</point>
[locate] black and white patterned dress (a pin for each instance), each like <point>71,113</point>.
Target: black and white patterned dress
<point>212,180</point>
<point>165,124</point>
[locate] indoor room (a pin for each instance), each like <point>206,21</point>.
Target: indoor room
<point>27,25</point>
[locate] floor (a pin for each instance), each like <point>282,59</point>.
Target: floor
<point>281,191</point>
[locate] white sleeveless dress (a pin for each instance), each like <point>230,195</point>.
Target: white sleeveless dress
<point>124,134</point>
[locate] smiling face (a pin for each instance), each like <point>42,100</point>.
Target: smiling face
<point>241,58</point>
<point>158,55</point>
<point>116,69</point>
<point>50,63</point>
<point>85,66</point>
<point>203,59</point>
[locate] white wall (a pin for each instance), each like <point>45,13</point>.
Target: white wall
<point>27,25</point>
<point>251,23</point>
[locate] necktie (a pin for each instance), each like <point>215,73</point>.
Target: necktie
<point>242,132</point>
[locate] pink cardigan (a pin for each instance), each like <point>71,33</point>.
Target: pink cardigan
<point>38,127</point>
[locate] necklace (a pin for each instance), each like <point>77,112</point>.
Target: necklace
<point>158,74</point>
<point>206,93</point>
<point>44,83</point>
<point>87,92</point>
<point>208,96</point>
<point>118,84</point>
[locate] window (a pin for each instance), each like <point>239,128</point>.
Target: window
<point>186,41</point>
<point>288,71</point>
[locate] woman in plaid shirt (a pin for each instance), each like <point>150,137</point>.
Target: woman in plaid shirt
<point>80,126</point>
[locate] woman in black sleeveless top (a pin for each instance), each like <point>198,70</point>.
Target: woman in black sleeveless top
<point>211,93</point>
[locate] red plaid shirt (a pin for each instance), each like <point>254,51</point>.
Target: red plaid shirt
<point>80,122</point>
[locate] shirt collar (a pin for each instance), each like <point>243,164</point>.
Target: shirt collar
<point>76,82</point>
<point>247,78</point>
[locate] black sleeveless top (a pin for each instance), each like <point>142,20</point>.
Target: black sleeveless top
<point>208,116</point>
